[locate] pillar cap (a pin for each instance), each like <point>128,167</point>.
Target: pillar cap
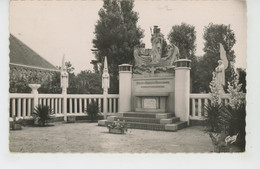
<point>125,68</point>
<point>182,63</point>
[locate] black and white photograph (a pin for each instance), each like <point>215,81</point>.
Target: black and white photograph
<point>128,77</point>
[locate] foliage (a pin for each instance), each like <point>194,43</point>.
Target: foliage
<point>92,110</point>
<point>242,78</point>
<point>212,117</point>
<point>118,125</point>
<point>184,37</point>
<point>233,120</point>
<point>228,120</point>
<point>116,34</point>
<point>234,89</point>
<point>215,95</point>
<point>213,35</point>
<point>42,114</point>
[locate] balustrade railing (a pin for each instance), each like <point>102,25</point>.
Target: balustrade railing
<point>22,105</point>
<point>198,102</point>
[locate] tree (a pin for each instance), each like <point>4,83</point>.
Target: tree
<point>213,35</point>
<point>116,34</point>
<point>184,37</point>
<point>242,78</point>
<point>89,82</point>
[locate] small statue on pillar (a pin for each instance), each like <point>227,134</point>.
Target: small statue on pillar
<point>64,77</point>
<point>105,77</point>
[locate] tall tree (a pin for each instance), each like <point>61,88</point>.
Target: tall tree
<point>184,37</point>
<point>116,34</point>
<point>215,34</point>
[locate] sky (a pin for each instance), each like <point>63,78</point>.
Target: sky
<point>57,28</point>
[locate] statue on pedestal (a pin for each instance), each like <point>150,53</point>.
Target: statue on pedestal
<point>220,69</point>
<point>161,57</point>
<point>64,77</point>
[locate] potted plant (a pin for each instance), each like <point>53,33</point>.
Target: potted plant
<point>42,114</point>
<point>15,125</point>
<point>117,127</point>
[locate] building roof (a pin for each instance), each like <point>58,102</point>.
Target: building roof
<point>22,55</point>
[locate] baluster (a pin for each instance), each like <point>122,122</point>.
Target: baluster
<point>70,105</point>
<point>24,107</point>
<point>80,105</point>
<point>39,101</point>
<point>29,107</point>
<point>110,105</point>
<point>193,107</point>
<point>59,111</point>
<point>205,103</point>
<point>56,105</point>
<point>85,105</point>
<point>19,108</point>
<point>199,107</point>
<point>75,105</point>
<point>49,102</point>
<point>99,104</point>
<point>52,104</point>
<point>13,107</point>
<point>114,107</point>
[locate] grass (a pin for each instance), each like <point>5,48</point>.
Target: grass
<point>90,138</point>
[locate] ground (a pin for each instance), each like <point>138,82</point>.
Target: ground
<point>90,138</point>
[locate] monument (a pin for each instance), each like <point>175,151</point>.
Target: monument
<point>154,93</point>
<point>153,82</point>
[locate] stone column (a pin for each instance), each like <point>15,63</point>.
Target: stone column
<point>35,88</point>
<point>182,89</point>
<point>125,87</point>
<point>64,77</point>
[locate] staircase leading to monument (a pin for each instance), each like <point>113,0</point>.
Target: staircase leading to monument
<point>147,121</point>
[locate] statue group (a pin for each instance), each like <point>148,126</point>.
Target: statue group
<point>160,56</point>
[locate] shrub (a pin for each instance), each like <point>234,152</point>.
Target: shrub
<point>92,110</point>
<point>42,114</point>
<point>213,117</point>
<point>234,121</point>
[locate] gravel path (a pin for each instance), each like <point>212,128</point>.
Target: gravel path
<point>90,138</point>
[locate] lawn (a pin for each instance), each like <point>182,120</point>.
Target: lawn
<point>90,138</point>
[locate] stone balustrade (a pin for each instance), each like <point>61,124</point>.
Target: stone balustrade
<point>22,105</point>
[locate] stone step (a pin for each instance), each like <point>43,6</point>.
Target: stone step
<point>146,126</point>
<point>148,120</point>
<point>151,126</point>
<point>146,115</point>
<point>176,126</point>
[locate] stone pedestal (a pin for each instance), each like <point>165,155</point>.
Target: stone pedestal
<point>182,89</point>
<point>35,88</point>
<point>125,86</point>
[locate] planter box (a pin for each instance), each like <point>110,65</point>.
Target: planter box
<point>71,119</point>
<point>116,131</point>
<point>17,127</point>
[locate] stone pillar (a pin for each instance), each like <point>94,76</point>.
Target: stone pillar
<point>182,89</point>
<point>105,86</point>
<point>64,77</point>
<point>125,87</point>
<point>35,88</point>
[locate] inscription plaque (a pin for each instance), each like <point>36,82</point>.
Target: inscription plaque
<point>150,103</point>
